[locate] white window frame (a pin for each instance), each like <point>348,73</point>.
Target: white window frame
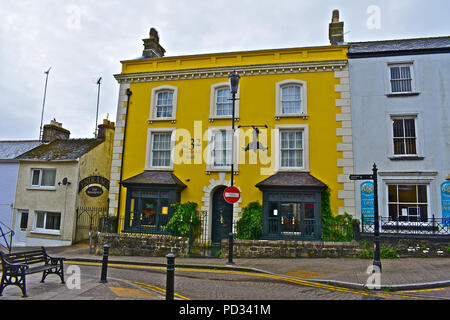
<point>410,64</point>
<point>409,183</point>
<point>149,152</point>
<point>210,159</point>
<point>213,102</point>
<point>303,96</point>
<point>305,129</point>
<point>43,229</point>
<point>153,102</point>
<point>413,116</point>
<point>39,185</point>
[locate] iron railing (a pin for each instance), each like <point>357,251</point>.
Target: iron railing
<point>9,233</point>
<point>439,226</point>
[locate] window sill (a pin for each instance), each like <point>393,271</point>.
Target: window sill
<point>42,188</point>
<point>46,232</point>
<point>402,94</point>
<point>158,169</point>
<point>406,158</point>
<point>173,120</point>
<point>292,170</point>
<point>213,118</point>
<point>226,170</point>
<point>304,116</point>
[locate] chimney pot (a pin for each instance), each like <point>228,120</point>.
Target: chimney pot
<point>152,48</point>
<point>54,131</point>
<point>336,29</point>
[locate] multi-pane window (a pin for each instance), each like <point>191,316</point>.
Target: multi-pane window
<point>401,79</point>
<point>291,99</point>
<point>161,149</point>
<point>221,148</point>
<point>404,135</point>
<point>43,177</point>
<point>48,220</point>
<point>291,148</point>
<point>223,102</point>
<point>408,202</point>
<point>164,104</point>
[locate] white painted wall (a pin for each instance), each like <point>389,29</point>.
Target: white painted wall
<point>372,126</point>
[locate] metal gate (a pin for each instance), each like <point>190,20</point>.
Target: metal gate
<point>89,221</point>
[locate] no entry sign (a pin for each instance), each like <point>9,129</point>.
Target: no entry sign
<point>231,194</point>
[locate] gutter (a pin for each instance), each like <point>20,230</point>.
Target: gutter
<point>128,93</point>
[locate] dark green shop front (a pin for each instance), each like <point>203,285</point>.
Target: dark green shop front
<point>291,206</point>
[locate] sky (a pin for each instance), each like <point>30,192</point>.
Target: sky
<point>86,39</point>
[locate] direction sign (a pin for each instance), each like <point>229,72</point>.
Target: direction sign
<point>361,177</point>
<point>231,195</point>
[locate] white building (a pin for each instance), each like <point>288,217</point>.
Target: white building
<point>9,167</point>
<point>401,121</point>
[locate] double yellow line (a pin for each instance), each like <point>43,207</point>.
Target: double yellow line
<point>271,276</point>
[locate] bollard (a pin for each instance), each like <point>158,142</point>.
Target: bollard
<point>170,281</point>
<point>104,264</point>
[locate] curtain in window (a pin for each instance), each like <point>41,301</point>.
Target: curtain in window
<point>401,79</point>
<point>161,149</point>
<point>291,99</point>
<point>164,104</point>
<point>291,148</point>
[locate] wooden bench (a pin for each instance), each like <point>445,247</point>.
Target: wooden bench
<point>15,266</point>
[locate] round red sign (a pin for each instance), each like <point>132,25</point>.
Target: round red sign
<point>231,194</point>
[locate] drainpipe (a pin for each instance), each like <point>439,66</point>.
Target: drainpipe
<point>128,93</point>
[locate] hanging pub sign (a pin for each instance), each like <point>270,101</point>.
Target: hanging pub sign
<point>93,191</point>
<point>445,199</point>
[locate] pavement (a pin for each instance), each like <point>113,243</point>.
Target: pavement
<point>397,274</point>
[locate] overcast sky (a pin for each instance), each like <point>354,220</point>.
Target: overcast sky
<point>84,40</point>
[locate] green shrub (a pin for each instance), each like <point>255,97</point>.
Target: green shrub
<point>250,225</point>
<point>184,222</point>
<point>334,228</point>
<point>386,252</point>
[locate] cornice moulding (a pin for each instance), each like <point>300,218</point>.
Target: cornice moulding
<point>223,72</point>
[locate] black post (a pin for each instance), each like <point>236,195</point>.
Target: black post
<point>170,280</point>
<point>234,82</point>
<point>376,234</point>
<point>105,263</point>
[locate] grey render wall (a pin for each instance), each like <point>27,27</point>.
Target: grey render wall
<point>8,178</point>
<point>372,109</point>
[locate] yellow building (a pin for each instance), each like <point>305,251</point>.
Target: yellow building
<point>173,139</point>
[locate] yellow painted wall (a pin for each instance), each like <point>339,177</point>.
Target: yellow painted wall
<point>257,106</point>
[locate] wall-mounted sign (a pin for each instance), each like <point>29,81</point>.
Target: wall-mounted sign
<point>367,202</point>
<point>445,201</point>
<point>93,180</point>
<point>94,191</point>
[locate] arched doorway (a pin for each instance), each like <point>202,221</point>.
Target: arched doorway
<point>221,216</point>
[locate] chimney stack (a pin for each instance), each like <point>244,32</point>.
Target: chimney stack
<point>103,127</point>
<point>54,131</point>
<point>336,29</point>
<point>152,48</point>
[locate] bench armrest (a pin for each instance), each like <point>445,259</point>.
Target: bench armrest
<point>52,260</point>
<point>13,268</point>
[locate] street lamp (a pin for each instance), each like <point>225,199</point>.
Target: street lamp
<point>234,83</point>
<point>376,233</point>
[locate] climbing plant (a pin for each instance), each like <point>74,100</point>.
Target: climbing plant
<point>250,225</point>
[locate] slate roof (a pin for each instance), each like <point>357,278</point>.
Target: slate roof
<point>385,47</point>
<point>291,179</point>
<point>154,178</point>
<point>70,149</point>
<point>11,149</point>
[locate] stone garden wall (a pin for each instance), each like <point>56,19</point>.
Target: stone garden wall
<point>292,249</point>
<point>142,245</point>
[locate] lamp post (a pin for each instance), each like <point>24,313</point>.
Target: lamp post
<point>376,233</point>
<point>234,83</point>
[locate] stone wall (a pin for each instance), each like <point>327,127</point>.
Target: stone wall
<point>292,249</point>
<point>142,245</point>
